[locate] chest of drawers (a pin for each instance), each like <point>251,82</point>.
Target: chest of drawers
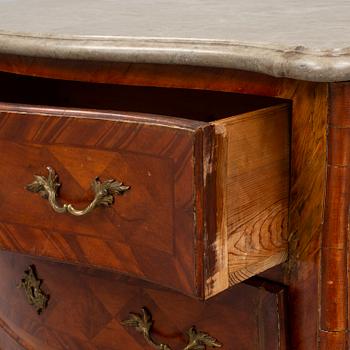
<point>170,184</point>
<point>193,204</point>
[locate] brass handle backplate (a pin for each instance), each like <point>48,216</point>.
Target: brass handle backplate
<point>47,187</point>
<point>143,323</point>
<point>32,288</point>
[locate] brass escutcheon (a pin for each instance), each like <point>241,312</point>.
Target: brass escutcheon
<point>32,288</point>
<point>47,187</point>
<point>143,323</point>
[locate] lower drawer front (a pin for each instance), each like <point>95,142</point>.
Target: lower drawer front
<point>8,342</point>
<point>86,307</point>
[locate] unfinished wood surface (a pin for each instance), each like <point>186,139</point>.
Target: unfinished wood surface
<point>253,173</point>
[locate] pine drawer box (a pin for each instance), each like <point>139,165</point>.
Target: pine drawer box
<point>201,180</point>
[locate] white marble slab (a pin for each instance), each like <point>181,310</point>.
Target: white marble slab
<point>307,39</point>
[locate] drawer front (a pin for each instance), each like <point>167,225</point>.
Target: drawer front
<point>198,206</point>
<point>86,308</point>
<point>8,341</point>
<point>152,231</point>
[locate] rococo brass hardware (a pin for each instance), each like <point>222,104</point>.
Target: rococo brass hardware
<point>47,187</point>
<point>32,288</point>
<point>143,324</point>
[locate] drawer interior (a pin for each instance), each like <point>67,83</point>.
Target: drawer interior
<point>201,105</point>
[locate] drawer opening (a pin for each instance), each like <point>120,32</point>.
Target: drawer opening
<point>201,105</point>
<point>209,175</point>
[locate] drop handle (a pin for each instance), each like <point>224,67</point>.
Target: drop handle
<point>143,323</point>
<point>47,188</point>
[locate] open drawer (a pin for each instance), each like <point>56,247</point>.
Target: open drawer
<point>205,199</point>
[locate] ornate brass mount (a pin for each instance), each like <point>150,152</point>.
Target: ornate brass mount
<point>143,324</point>
<point>32,288</point>
<point>47,187</point>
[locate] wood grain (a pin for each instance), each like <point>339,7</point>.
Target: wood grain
<point>308,161</point>
<point>154,159</point>
<point>248,238</point>
<point>255,178</point>
<point>86,307</point>
<point>333,340</point>
<point>9,340</point>
<point>335,244</point>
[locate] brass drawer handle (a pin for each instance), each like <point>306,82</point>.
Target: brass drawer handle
<point>32,289</point>
<point>47,187</point>
<point>143,322</point>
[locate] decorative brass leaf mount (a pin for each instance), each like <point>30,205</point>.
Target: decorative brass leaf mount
<point>32,288</point>
<point>143,323</point>
<point>47,187</point>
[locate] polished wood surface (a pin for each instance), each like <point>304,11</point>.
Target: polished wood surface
<point>7,342</point>
<point>335,243</point>
<point>209,233</point>
<point>86,307</point>
<point>156,160</point>
<point>316,273</point>
<point>308,161</point>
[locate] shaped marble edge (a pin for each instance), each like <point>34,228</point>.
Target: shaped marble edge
<point>291,62</point>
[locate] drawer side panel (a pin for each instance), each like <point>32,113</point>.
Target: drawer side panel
<point>254,179</point>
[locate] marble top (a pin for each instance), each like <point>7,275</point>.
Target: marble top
<point>308,40</point>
